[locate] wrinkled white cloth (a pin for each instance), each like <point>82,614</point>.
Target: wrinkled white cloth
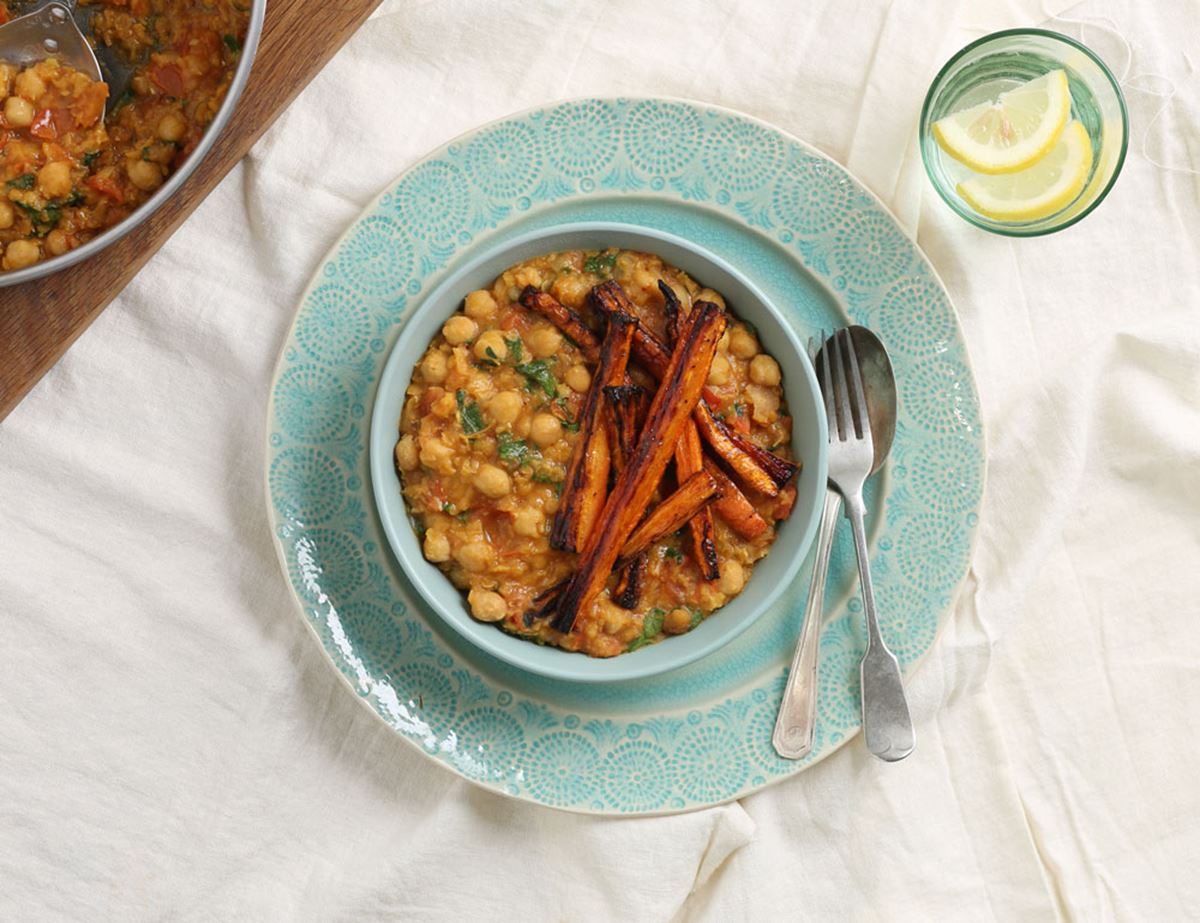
<point>173,747</point>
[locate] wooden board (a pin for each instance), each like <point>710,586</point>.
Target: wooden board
<point>40,319</point>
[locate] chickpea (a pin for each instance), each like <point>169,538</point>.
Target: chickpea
<point>145,175</point>
<point>171,127</point>
<point>474,556</point>
<point>21,253</point>
<point>723,343</point>
<point>57,243</point>
<point>437,546</point>
<point>459,329</point>
<point>764,370</point>
<point>29,84</point>
<point>528,521</point>
<point>544,341</point>
<point>487,606</point>
<point>578,378</point>
<point>18,112</point>
<point>434,367</point>
<point>742,344</point>
<point>480,305</point>
<point>545,430</point>
<point>491,346</point>
<point>437,456</point>
<point>719,371</point>
<point>505,406</point>
<point>707,294</point>
<point>54,179</point>
<point>678,621</point>
<point>492,481</point>
<point>407,455</point>
<point>733,577</point>
<point>7,216</point>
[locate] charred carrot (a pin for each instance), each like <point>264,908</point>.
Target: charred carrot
<point>564,319</point>
<point>652,353</point>
<point>586,483</point>
<point>734,506</point>
<point>689,460</point>
<point>673,403</point>
<point>670,515</point>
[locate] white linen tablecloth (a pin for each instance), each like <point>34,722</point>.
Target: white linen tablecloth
<point>173,746</point>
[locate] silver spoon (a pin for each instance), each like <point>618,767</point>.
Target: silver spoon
<point>796,724</point>
<point>52,31</point>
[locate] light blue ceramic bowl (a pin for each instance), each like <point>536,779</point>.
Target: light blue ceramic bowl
<point>809,442</point>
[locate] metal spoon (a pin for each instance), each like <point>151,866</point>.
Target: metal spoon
<point>56,30</point>
<point>796,724</point>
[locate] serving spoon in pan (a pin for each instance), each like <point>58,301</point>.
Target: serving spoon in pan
<point>55,30</point>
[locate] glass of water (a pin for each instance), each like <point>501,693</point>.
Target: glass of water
<point>1071,172</point>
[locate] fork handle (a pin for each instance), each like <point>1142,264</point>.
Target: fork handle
<point>797,721</point>
<point>887,724</point>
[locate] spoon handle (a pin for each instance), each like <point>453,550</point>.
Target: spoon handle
<point>887,724</point>
<point>794,728</point>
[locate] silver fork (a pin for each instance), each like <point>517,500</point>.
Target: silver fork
<point>797,721</point>
<point>886,721</point>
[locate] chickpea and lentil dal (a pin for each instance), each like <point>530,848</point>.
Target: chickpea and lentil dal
<point>67,173</point>
<point>487,430</point>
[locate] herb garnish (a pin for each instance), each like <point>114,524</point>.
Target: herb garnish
<point>469,414</point>
<point>537,374</point>
<point>600,262</point>
<point>652,625</point>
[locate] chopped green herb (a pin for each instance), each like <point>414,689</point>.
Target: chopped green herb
<point>652,625</point>
<point>469,414</point>
<point>571,426</point>
<point>44,219</point>
<point>232,43</point>
<point>511,449</point>
<point>24,181</point>
<point>537,374</point>
<point>89,158</point>
<point>146,152</point>
<point>491,360</point>
<point>516,349</point>
<point>463,516</point>
<point>447,507</point>
<point>600,262</point>
<point>673,553</point>
<point>739,409</point>
<point>697,616</point>
<point>542,478</point>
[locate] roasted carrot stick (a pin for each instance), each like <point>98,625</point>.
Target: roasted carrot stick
<point>670,515</point>
<point>673,403</point>
<point>628,590</point>
<point>586,483</point>
<point>626,407</point>
<point>564,319</point>
<point>733,505</point>
<point>689,460</point>
<point>652,353</point>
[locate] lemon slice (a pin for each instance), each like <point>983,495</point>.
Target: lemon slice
<point>1035,192</point>
<point>1011,133</point>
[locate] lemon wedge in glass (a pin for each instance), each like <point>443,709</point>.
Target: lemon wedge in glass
<point>1048,186</point>
<point>1021,127</point>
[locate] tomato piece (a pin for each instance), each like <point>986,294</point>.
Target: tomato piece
<point>44,126</point>
<point>168,78</point>
<point>106,186</point>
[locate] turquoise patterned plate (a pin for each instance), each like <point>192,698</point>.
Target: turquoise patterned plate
<point>818,245</point>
